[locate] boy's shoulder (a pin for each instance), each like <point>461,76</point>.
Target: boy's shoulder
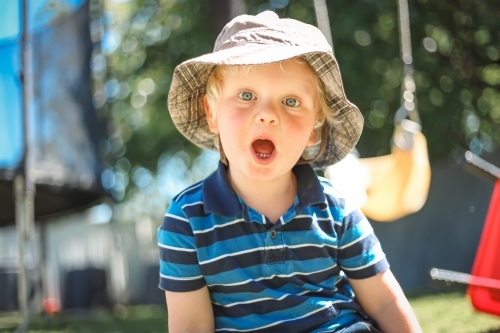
<point>191,194</point>
<point>187,203</point>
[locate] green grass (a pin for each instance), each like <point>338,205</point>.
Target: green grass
<point>437,313</point>
<point>451,313</point>
<point>134,319</point>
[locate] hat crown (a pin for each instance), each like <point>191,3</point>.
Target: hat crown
<point>268,28</point>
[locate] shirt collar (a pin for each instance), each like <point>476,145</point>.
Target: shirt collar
<point>220,198</point>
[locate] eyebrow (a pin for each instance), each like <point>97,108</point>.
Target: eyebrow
<point>308,87</point>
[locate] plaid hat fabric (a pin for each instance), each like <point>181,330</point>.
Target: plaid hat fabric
<point>262,39</point>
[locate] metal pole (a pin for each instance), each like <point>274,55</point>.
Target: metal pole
<point>28,97</point>
<point>22,285</point>
<point>24,184</point>
<point>323,20</point>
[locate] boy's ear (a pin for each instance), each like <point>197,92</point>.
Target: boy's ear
<point>315,134</point>
<point>212,123</point>
<point>314,138</point>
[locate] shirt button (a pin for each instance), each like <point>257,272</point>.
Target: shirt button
<point>273,234</point>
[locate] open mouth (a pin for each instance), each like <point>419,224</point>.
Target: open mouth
<point>263,148</point>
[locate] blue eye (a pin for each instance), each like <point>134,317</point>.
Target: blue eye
<point>247,96</point>
<point>291,102</point>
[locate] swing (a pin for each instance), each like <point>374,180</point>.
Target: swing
<point>397,184</point>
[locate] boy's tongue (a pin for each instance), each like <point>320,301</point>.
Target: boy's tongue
<point>263,146</point>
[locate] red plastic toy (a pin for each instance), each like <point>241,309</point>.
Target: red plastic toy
<point>487,260</point>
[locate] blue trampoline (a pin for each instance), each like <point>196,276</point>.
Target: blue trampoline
<point>65,129</point>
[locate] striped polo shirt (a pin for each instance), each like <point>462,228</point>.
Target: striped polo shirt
<point>289,276</point>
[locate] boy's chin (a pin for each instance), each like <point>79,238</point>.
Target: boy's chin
<point>261,172</point>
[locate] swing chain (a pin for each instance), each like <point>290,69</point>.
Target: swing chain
<point>323,20</point>
<point>408,88</point>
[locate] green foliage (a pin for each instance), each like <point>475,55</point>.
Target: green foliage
<point>131,89</point>
<point>157,36</point>
<point>456,52</point>
<point>455,66</point>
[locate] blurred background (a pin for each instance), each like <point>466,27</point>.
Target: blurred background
<point>107,160</point>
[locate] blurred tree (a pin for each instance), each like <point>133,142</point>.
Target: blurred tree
<point>142,41</point>
<point>456,50</point>
<point>456,47</point>
<point>220,11</point>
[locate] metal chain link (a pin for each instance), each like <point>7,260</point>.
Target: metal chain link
<point>323,20</point>
<point>408,87</point>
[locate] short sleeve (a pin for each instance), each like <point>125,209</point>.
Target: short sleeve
<point>179,267</point>
<point>360,255</point>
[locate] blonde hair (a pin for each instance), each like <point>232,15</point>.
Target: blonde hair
<point>325,113</point>
<point>214,89</point>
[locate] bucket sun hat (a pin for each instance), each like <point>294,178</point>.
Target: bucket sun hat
<point>262,39</point>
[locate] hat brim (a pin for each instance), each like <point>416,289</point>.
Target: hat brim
<point>189,86</point>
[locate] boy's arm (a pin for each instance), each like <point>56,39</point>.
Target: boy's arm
<point>190,311</point>
<point>383,300</point>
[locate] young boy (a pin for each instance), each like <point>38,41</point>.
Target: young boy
<point>263,244</point>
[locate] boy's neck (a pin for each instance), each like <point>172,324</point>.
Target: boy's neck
<point>271,198</point>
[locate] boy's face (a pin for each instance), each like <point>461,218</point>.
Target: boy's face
<point>265,118</point>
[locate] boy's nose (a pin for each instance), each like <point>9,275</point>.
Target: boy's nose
<point>267,115</point>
